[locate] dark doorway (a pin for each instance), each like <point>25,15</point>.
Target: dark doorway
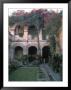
<point>45,54</point>
<point>18,52</point>
<point>32,51</point>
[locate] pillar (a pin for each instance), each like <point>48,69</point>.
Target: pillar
<point>40,34</point>
<point>25,35</point>
<point>11,53</point>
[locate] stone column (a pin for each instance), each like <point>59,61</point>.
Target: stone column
<point>40,38</point>
<point>40,34</point>
<point>11,53</point>
<point>25,36</point>
<point>25,50</point>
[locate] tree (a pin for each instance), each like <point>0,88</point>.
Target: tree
<point>51,29</point>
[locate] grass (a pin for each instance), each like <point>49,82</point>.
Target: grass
<point>24,74</point>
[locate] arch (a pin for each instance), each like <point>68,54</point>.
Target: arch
<point>32,31</point>
<point>19,30</point>
<point>32,52</point>
<point>32,44</point>
<point>18,52</point>
<point>46,53</point>
<point>16,44</point>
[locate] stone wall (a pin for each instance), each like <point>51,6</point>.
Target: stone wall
<point>25,43</point>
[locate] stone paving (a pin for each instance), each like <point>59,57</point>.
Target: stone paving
<point>49,72</point>
<point>47,78</point>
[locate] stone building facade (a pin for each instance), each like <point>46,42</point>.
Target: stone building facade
<point>26,42</point>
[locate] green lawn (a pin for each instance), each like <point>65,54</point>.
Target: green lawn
<point>24,74</point>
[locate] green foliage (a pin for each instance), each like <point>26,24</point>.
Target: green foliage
<point>57,62</point>
<point>51,29</point>
<point>52,44</point>
<point>31,17</point>
<point>19,58</point>
<point>54,24</point>
<point>36,17</point>
<point>13,65</point>
<point>24,59</point>
<point>32,31</point>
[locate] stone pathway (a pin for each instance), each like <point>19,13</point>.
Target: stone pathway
<point>47,78</point>
<point>53,76</point>
<point>46,73</point>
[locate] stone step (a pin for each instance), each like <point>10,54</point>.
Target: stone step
<point>54,76</point>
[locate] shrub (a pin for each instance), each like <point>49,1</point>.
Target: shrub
<point>13,65</point>
<point>57,62</point>
<point>24,59</point>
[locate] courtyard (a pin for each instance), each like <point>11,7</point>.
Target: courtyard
<point>35,46</point>
<point>34,73</point>
<point>25,74</point>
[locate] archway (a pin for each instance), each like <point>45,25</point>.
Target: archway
<point>32,51</point>
<point>18,52</point>
<point>19,30</point>
<point>32,31</point>
<point>45,54</point>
